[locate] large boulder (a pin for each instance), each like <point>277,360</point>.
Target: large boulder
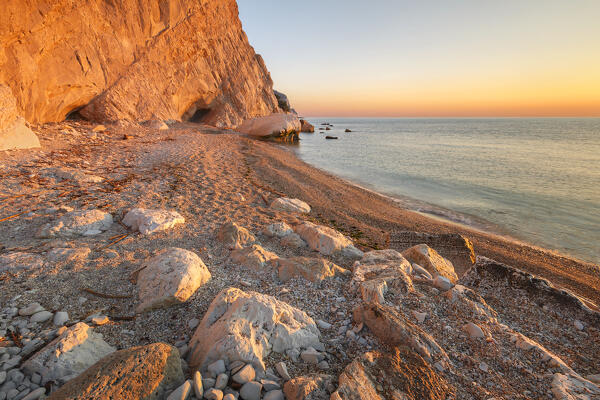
<point>429,259</point>
<point>401,374</point>
<point>273,125</point>
<point>146,373</point>
<point>247,326</point>
<point>312,269</point>
<point>14,134</point>
<point>78,223</point>
<point>67,356</point>
<point>171,277</point>
<point>234,236</point>
<point>132,60</point>
<point>151,221</point>
<point>327,241</point>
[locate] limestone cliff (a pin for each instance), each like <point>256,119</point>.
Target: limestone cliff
<point>134,60</point>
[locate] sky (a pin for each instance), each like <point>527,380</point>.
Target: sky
<point>431,58</point>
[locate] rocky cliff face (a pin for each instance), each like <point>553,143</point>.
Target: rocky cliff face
<point>133,60</point>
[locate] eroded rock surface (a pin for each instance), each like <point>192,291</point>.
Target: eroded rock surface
<point>247,326</point>
<point>132,60</point>
<point>145,372</point>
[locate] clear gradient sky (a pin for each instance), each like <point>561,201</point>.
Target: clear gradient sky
<point>431,57</point>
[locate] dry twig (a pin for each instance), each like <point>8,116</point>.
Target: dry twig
<point>12,216</point>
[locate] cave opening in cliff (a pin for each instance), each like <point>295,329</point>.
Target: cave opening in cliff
<point>75,115</point>
<point>199,115</point>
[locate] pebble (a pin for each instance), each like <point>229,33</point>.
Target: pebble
<point>282,370</point>
<point>41,316</point>
<point>192,323</point>
<point>36,394</point>
<point>419,316</point>
<point>442,283</point>
<point>216,368</point>
<point>251,391</point>
<point>60,318</point>
<point>311,356</point>
<point>208,383</point>
<point>213,394</point>
<point>182,392</point>
<point>2,377</point>
<point>229,396</point>
<point>12,393</point>
<point>323,365</point>
<point>100,320</point>
<point>323,325</point>
<point>245,375</point>
<point>274,395</point>
<point>473,330</point>
<point>221,381</point>
<point>269,385</point>
<point>578,325</point>
<point>483,366</point>
<point>197,383</point>
<point>31,309</point>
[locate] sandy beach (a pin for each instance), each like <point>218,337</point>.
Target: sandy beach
<point>212,176</point>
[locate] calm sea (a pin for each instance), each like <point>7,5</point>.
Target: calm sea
<point>536,180</point>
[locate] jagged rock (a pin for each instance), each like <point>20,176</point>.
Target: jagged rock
<point>374,280</point>
<point>254,257</point>
<point>290,205</point>
<point>234,236</point>
<point>162,60</point>
<point>429,259</point>
<point>573,387</point>
<point>144,372</point>
<point>279,230</point>
<point>14,134</point>
<point>78,223</point>
<point>68,355</point>
<point>282,101</point>
<point>72,174</point>
<point>247,326</point>
<point>273,125</point>
<point>306,126</point>
<point>311,269</point>
<point>394,328</point>
<point>327,241</point>
<point>309,387</point>
<point>17,262</point>
<point>171,277</point>
<point>151,221</point>
<point>403,375</point>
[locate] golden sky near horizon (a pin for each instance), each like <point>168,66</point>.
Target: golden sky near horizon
<point>397,58</point>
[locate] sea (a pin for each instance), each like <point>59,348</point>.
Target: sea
<point>535,180</point>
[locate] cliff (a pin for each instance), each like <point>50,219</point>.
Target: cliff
<point>132,60</point>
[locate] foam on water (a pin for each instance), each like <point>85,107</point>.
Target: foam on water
<point>537,180</point>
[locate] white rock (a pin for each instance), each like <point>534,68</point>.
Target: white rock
<point>182,392</point>
<point>16,262</point>
<point>323,325</point>
<point>254,257</point>
<point>279,230</point>
<point>60,318</point>
<point>573,387</point>
<point>473,330</point>
<point>312,356</point>
<point>77,223</point>
<point>244,375</point>
<point>578,325</point>
<point>290,205</point>
<point>247,326</point>
<point>277,124</point>
<point>171,277</point>
<point>41,316</point>
<point>151,221</point>
<point>216,368</point>
<point>221,381</point>
<point>274,395</point>
<point>282,370</point>
<point>419,316</point>
<point>442,283</point>
<point>325,240</point>
<point>76,349</point>
<point>73,174</point>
